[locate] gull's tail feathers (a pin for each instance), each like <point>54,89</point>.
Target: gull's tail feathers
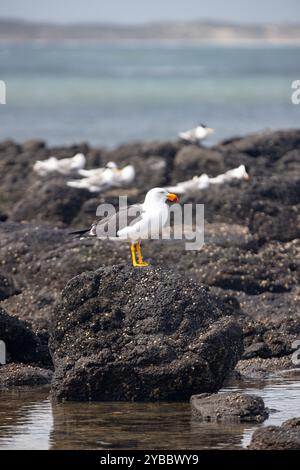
<point>91,231</point>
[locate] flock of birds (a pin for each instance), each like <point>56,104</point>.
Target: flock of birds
<point>154,211</point>
<point>95,180</point>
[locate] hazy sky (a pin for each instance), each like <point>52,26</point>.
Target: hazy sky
<point>134,11</point>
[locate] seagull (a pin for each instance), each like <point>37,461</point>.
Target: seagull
<point>152,218</point>
<point>98,171</point>
<point>197,134</point>
<point>239,173</point>
<point>65,166</point>
<point>198,183</point>
<point>100,179</point>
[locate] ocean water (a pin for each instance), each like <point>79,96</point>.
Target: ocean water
<point>112,93</point>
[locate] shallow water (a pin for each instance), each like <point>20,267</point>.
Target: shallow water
<point>28,420</point>
<point>111,93</point>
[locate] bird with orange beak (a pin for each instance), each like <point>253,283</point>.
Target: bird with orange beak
<point>153,217</point>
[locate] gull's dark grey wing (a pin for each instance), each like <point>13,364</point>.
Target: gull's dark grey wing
<point>127,215</point>
<point>111,224</point>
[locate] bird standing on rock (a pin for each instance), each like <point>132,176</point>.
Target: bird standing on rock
<point>197,134</point>
<point>152,218</point>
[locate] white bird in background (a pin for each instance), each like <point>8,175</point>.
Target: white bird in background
<point>197,134</point>
<point>239,173</point>
<point>203,181</point>
<point>152,218</point>
<point>100,179</point>
<point>97,171</point>
<point>65,166</point>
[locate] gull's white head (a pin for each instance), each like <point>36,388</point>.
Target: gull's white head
<point>159,196</point>
<point>208,130</point>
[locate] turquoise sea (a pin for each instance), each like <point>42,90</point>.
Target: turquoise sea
<point>112,93</point>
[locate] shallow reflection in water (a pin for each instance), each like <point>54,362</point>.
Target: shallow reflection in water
<point>25,418</point>
<point>137,426</point>
<point>29,421</point>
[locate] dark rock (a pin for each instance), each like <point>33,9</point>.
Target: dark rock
<point>257,350</point>
<point>270,336</point>
<point>251,258</point>
<point>192,160</point>
<point>13,375</point>
<point>269,206</point>
<point>229,406</point>
<point>45,258</point>
<point>271,221</point>
<point>3,216</point>
<point>258,368</point>
<point>126,334</point>
<point>33,145</point>
<point>22,345</point>
<point>56,202</point>
<point>273,268</point>
<point>272,145</point>
<point>284,437</point>
<point>7,286</point>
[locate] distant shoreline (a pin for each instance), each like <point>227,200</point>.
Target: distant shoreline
<point>195,32</point>
<point>157,42</point>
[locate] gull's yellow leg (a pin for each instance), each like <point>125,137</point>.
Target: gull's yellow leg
<point>133,254</point>
<point>140,256</point>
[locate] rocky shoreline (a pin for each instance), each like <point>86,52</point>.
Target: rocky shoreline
<point>247,273</point>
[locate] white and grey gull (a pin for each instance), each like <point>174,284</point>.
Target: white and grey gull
<point>196,135</point>
<point>100,179</point>
<point>153,215</point>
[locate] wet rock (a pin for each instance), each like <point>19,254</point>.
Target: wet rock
<point>257,350</point>
<point>284,437</point>
<point>126,334</point>
<point>13,375</point>
<point>22,345</point>
<point>229,406</point>
<point>258,368</point>
<point>271,336</point>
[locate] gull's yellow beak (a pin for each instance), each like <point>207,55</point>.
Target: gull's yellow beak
<point>172,197</point>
